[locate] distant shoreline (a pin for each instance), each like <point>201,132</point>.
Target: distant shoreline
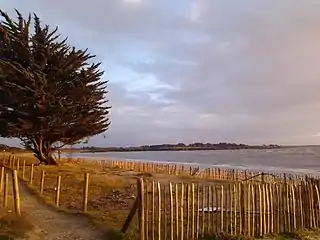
<point>161,147</point>
<point>177,147</point>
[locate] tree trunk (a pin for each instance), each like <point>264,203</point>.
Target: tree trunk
<point>49,156</point>
<point>43,151</point>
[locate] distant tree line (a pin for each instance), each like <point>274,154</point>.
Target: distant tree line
<point>181,147</point>
<point>6,148</point>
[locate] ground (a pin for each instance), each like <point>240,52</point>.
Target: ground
<point>112,192</point>
<point>51,224</point>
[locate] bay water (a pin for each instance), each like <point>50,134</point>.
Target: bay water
<point>291,160</point>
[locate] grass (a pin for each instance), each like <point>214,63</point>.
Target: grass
<point>111,194</point>
<point>13,226</point>
<point>111,190</point>
<point>104,211</point>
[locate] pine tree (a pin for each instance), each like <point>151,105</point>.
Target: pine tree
<point>51,94</point>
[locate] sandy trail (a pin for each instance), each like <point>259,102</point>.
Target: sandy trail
<point>49,224</point>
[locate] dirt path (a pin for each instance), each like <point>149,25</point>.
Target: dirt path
<point>50,224</point>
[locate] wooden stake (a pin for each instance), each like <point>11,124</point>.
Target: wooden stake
<point>318,198</point>
<point>197,213</point>
<point>271,191</point>
<point>159,212</point>
<point>153,211</point>
<point>260,210</point>
<point>130,216</point>
<point>58,191</point>
<point>23,169</point>
<point>165,203</point>
<point>31,174</point>
<point>6,189</point>
<point>147,211</point>
<point>192,212</point>
<point>229,215</point>
<point>235,198</point>
<point>278,194</point>
<point>221,208</point>
<point>181,212</point>
<point>85,191</point>
<point>294,207</point>
<point>248,211</point>
<point>264,209</point>
<point>1,179</point>
<point>215,204</point>
<point>267,209</point>
<point>171,212</point>
<point>16,195</point>
<point>203,213</point>
<point>42,182</point>
<point>242,208</point>
<point>209,213</point>
<point>177,211</point>
<point>140,195</point>
<point>288,206</point>
<point>188,210</point>
<point>254,202</point>
<point>18,164</point>
<point>312,220</point>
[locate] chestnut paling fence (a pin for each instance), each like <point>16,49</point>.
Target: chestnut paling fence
<point>251,206</point>
<point>192,211</point>
<point>198,172</point>
<point>9,190</point>
<point>26,173</point>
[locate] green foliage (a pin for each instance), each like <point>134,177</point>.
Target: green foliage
<point>50,93</point>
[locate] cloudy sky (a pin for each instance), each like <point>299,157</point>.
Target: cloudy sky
<point>199,70</point>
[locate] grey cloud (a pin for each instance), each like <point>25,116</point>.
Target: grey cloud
<point>245,71</point>
<point>269,67</point>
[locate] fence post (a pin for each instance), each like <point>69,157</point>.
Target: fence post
<point>58,191</point>
<point>85,192</point>
<point>31,174</point>
<point>140,195</point>
<point>42,182</point>
<point>16,192</point>
<point>171,211</point>
<point>23,169</point>
<point>1,179</point>
<point>18,164</point>
<point>5,193</point>
<point>242,210</point>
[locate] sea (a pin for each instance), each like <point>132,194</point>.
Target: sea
<point>300,160</point>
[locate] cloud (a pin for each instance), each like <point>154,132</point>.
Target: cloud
<point>200,70</point>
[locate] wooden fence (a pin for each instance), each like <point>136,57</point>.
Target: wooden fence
<point>191,211</point>
<point>9,199</point>
<point>26,173</point>
<point>198,172</point>
<point>184,169</point>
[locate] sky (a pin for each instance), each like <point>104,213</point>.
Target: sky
<point>199,70</point>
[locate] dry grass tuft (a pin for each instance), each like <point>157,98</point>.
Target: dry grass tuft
<point>13,226</point>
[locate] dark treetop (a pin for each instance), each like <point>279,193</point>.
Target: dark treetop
<point>51,94</point>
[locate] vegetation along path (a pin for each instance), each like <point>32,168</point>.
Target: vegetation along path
<point>49,224</point>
